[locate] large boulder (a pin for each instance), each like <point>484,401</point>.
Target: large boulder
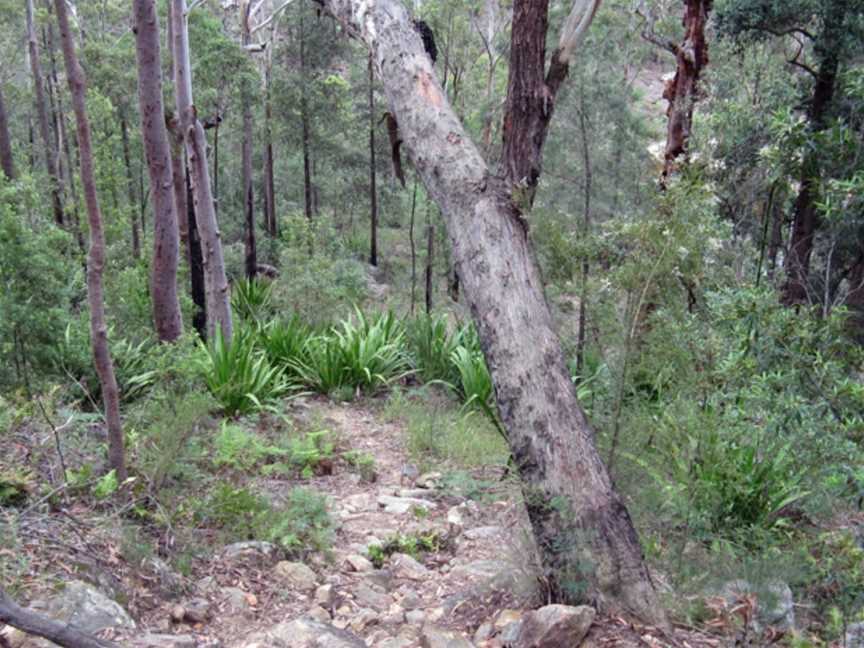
<point>302,633</point>
<point>553,626</point>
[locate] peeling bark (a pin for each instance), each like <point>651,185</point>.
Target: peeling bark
<point>682,91</point>
<point>166,238</point>
<point>217,292</point>
<point>96,258</point>
<point>582,527</point>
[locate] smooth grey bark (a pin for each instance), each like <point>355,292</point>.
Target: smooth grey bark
<point>583,529</point>
<point>216,282</point>
<point>7,162</point>
<point>166,234</point>
<point>51,162</point>
<point>96,257</point>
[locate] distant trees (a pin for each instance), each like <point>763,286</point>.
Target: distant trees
<point>7,162</point>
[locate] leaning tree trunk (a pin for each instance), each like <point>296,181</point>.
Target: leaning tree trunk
<point>51,161</point>
<point>217,293</point>
<point>7,162</point>
<point>251,253</point>
<point>682,91</point>
<point>96,258</point>
<point>584,532</point>
<point>166,236</point>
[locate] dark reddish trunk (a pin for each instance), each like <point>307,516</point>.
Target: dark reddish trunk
<point>805,215</point>
<point>96,258</point>
<point>682,91</point>
<point>7,163</point>
<point>163,284</point>
<point>531,93</point>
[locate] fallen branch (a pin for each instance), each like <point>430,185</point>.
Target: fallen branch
<point>32,623</point>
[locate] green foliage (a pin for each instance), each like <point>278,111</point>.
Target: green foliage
<point>239,375</point>
<point>301,525</point>
<point>475,382</point>
<point>411,544</point>
<point>363,463</point>
<point>431,345</point>
<point>15,486</point>
<point>284,342</point>
<point>251,300</point>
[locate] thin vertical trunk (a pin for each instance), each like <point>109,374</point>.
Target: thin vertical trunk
<point>163,283</point>
<point>304,118</point>
<point>216,167</point>
<point>413,247</point>
<point>179,181</point>
<point>373,190</point>
<point>51,163</point>
<point>217,292</point>
<point>682,91</point>
<point>7,162</point>
<point>250,248</point>
<point>96,259</point>
<point>269,184</point>
<point>196,265</point>
<point>586,231</point>
<point>130,185</point>
<point>430,260</point>
<point>855,299</point>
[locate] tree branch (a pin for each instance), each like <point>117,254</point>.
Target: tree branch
<point>575,27</point>
<point>61,634</point>
<point>271,17</point>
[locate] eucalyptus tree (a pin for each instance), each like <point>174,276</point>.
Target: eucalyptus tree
<point>166,236</point>
<point>583,530</point>
<point>7,162</point>
<point>96,258</point>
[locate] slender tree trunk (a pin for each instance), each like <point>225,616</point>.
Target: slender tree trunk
<point>855,299</point>
<point>806,213</point>
<point>166,239</point>
<point>430,263</point>
<point>373,189</point>
<point>248,197</point>
<point>269,184</point>
<point>586,231</point>
<point>582,527</point>
<point>7,162</point>
<point>51,163</point>
<point>413,247</point>
<point>304,119</point>
<point>179,181</point>
<point>196,265</point>
<point>216,167</point>
<point>682,91</point>
<point>130,184</point>
<point>217,292</point>
<point>96,259</point>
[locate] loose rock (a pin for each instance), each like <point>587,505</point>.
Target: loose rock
<point>433,637</point>
<point>404,566</point>
<point>302,633</point>
<point>554,626</point>
<point>295,574</point>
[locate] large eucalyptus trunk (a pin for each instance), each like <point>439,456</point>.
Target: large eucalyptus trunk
<point>583,530</point>
<point>166,236</point>
<point>216,282</point>
<point>96,258</point>
<point>7,162</point>
<point>51,161</point>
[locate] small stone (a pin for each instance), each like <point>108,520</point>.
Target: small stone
<point>410,601</point>
<point>395,616</point>
<point>197,610</point>
<point>296,574</point>
<point>553,626</point>
<point>396,642</point>
<point>433,615</point>
<point>253,551</point>
<point>455,519</point>
<point>206,585</point>
<point>325,597</point>
<point>505,618</point>
<point>416,617</point>
<point>302,632</point>
<point>150,640</point>
<point>178,613</point>
<point>319,614</point>
<point>235,599</point>
<point>433,637</point>
<point>378,637</point>
<point>483,633</point>
<point>404,566</point>
<point>371,598</point>
<point>428,480</point>
<point>358,563</point>
<point>402,505</point>
<point>362,618</point>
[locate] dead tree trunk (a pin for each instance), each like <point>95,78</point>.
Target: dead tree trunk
<point>582,527</point>
<point>166,244</point>
<point>7,162</point>
<point>51,163</point>
<point>96,258</point>
<point>682,91</point>
<point>373,189</point>
<point>218,297</point>
<point>251,253</point>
